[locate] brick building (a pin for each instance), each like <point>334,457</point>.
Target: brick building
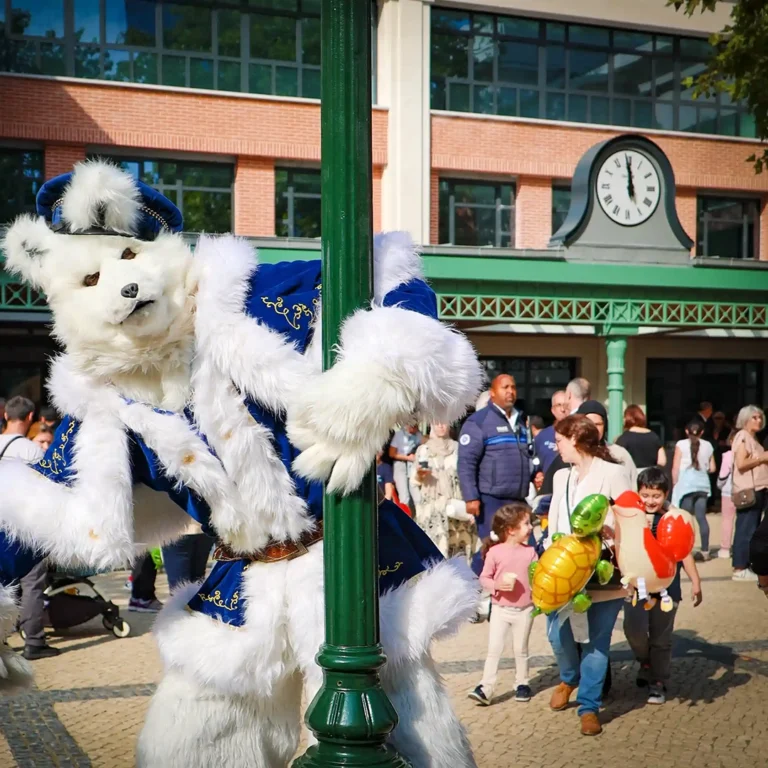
<point>482,111</point>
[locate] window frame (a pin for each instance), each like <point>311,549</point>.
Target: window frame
<point>639,106</point>
<point>291,196</point>
<point>37,178</point>
<point>497,206</point>
<point>702,221</point>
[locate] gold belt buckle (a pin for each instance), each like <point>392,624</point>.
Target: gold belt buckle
<point>300,550</point>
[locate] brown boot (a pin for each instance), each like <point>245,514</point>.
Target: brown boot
<point>590,725</point>
<point>561,696</point>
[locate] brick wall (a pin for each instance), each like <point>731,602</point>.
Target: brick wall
<point>685,202</point>
<point>59,158</point>
<point>533,212</point>
<point>255,196</point>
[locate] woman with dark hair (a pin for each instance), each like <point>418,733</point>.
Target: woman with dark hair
<point>693,463</point>
<point>593,470</point>
<point>643,445</point>
<point>596,413</point>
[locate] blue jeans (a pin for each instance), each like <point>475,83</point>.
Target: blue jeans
<point>747,521</point>
<point>696,504</point>
<point>185,560</point>
<point>588,673</point>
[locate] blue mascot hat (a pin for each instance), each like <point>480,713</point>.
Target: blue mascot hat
<point>128,208</point>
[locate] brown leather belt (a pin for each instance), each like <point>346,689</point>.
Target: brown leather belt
<point>275,551</point>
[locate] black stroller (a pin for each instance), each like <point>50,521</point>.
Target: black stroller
<point>66,607</point>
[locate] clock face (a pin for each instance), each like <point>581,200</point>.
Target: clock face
<point>628,187</point>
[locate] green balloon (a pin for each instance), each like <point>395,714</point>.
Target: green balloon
<point>556,536</point>
<point>531,571</point>
<point>604,570</point>
<point>590,513</point>
<point>581,602</point>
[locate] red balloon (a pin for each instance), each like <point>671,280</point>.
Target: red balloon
<point>675,533</point>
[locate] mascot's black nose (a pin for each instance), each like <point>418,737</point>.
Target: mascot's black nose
<point>130,291</point>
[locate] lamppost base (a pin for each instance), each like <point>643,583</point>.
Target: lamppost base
<point>330,755</point>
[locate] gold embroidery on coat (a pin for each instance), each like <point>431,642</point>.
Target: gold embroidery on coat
<point>58,454</point>
<point>217,600</point>
<point>293,314</point>
<point>390,569</point>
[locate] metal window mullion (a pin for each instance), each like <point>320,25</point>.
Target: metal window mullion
<point>215,46</point>
<point>290,200</point>
<point>299,53</point>
<point>497,234</point>
<point>69,37</point>
<point>451,215</point>
<point>542,82</point>
<point>245,51</point>
<point>744,233</point>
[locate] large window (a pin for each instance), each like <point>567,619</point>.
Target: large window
<point>21,174</point>
<point>202,191</point>
<point>727,227</point>
<point>561,202</point>
<point>537,379</point>
<point>297,202</point>
<point>477,213</point>
<point>525,67</point>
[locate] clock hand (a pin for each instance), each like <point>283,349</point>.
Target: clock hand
<point>630,182</point>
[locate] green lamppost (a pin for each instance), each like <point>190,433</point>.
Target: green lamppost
<point>351,715</point>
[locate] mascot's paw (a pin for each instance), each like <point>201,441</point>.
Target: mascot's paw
<point>15,671</point>
<point>343,469</point>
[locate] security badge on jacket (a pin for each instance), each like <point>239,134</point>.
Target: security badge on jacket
<point>284,297</point>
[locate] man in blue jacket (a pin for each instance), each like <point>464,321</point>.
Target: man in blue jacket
<point>494,463</point>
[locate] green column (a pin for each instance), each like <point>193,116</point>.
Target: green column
<point>616,347</point>
<point>351,715</point>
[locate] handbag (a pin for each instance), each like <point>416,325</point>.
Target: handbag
<point>747,498</point>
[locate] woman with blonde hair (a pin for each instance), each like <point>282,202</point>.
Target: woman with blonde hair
<point>750,481</point>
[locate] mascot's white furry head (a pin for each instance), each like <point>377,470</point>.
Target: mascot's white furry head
<point>119,293</point>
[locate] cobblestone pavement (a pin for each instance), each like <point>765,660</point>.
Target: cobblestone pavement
<point>89,703</point>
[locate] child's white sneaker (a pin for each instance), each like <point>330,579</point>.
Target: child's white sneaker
<point>724,554</point>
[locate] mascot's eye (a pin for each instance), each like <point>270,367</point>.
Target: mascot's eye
<point>128,254</point>
<point>91,280</point>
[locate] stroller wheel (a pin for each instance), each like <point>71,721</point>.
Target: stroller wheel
<point>118,627</point>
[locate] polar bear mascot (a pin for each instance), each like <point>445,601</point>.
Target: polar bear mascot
<point>192,386</point>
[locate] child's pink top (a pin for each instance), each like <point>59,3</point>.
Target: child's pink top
<point>504,558</point>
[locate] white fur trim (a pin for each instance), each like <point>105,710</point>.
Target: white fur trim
<point>15,671</point>
<point>234,348</point>
<point>26,245</point>
<point>393,365</point>
<point>96,185</point>
<point>396,260</point>
<point>432,607</point>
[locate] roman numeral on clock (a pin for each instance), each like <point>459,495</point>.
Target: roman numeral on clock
<point>616,210</point>
<point>605,186</point>
<point>617,161</point>
<point>648,175</point>
<point>647,202</point>
<point>651,189</point>
<point>608,199</point>
<point>626,214</point>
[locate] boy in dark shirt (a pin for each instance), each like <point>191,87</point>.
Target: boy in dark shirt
<point>649,633</point>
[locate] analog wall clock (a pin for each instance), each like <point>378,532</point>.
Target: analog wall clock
<point>628,187</point>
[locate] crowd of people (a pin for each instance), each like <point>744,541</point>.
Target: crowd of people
<point>479,496</point>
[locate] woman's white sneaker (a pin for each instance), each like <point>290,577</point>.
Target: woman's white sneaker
<point>744,575</point>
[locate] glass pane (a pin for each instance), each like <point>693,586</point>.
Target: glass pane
<point>286,81</point>
<point>519,63</point>
<point>588,35</point>
<point>747,125</point>
<point>310,6</point>
<point>507,194</point>
<point>87,62</point>
<point>150,172</point>
<point>443,212</point>
<point>187,28</point>
<point>692,70</point>
<point>665,116</point>
<point>21,174</point>
<point>273,37</point>
<point>229,33</point>
<point>600,110</point>
<point>131,22</point>
<point>483,51</point>
<point>467,192</point>
<point>205,175</point>
<point>695,48</point>
<point>529,103</point>
<point>306,217</point>
<point>483,23</point>
<point>643,117</point>
<point>310,41</point>
<point>507,101</point>
<point>664,43</point>
<point>687,119</point>
<point>207,211</point>
<point>22,57</point>
<point>450,21</point>
<point>636,41</point>
<point>310,83</point>
<point>87,21</point>
<point>450,56</point>
<point>483,99</point>
<point>306,182</point>
<point>632,75</point>
<point>260,78</point>
<point>555,31</point>
<point>556,66</point>
<point>664,78</point>
<point>588,70</point>
<point>577,108</point>
<point>145,67</point>
<point>117,65</point>
<point>175,71</point>
<point>475,226</point>
<point>622,112</point>
<point>41,18</point>
<point>458,97</point>
<point>277,5</point>
<point>281,204</point>
<point>555,106</point>
<point>168,171</point>
<point>52,59</point>
<point>437,94</point>
<point>229,76</point>
<point>707,122</point>
<point>201,73</point>
<point>507,25</point>
<point>561,202</point>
